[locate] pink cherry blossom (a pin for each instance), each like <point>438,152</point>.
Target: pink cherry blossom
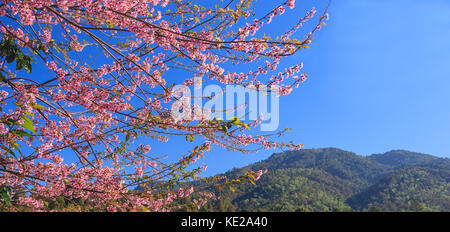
<point>101,97</point>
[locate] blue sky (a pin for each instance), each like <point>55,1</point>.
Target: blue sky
<point>379,79</point>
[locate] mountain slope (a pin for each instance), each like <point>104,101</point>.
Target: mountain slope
<point>348,166</point>
<point>292,189</point>
<point>331,179</point>
<point>409,189</point>
<point>398,158</point>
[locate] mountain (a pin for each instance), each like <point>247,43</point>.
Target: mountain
<point>398,158</point>
<point>415,189</point>
<point>347,166</point>
<point>331,179</point>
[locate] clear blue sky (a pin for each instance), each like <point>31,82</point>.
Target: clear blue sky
<point>379,79</point>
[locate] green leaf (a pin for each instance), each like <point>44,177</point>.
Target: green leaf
<point>190,138</point>
<point>27,65</point>
<point>20,133</point>
<point>28,124</point>
<point>224,129</point>
<point>3,78</point>
<point>19,62</point>
<point>18,104</point>
<point>9,151</point>
<point>10,122</point>
<point>10,58</point>
<point>37,106</point>
<point>5,194</point>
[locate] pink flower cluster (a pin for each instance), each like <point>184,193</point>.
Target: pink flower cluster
<point>110,66</point>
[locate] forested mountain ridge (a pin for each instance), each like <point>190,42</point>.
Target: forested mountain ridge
<point>331,179</point>
<point>413,188</point>
<point>398,158</point>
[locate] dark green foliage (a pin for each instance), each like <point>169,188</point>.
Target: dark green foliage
<point>289,189</point>
<point>398,158</point>
<point>10,52</point>
<point>336,180</point>
<point>5,195</point>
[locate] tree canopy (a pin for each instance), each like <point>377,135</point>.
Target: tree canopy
<point>105,83</point>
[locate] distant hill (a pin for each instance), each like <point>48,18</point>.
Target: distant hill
<point>331,179</point>
<point>398,158</point>
<point>414,189</point>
